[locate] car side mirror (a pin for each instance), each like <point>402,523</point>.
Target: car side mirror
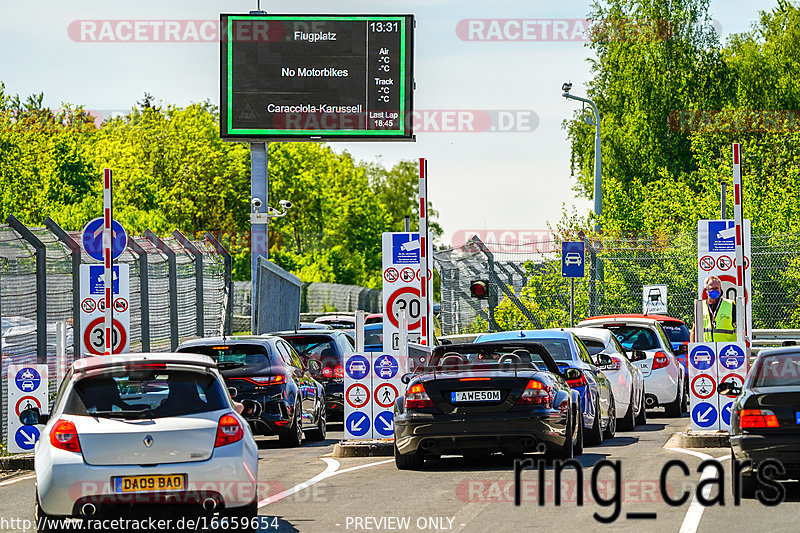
<point>638,355</point>
<point>726,388</point>
<point>32,417</point>
<point>604,359</point>
<point>233,391</point>
<point>314,365</point>
<point>571,374</point>
<point>406,378</point>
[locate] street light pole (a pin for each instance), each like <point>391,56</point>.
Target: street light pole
<point>598,172</point>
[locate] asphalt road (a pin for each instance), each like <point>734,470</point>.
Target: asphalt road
<point>306,490</point>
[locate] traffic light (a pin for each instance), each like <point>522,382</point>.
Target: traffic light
<point>479,289</point>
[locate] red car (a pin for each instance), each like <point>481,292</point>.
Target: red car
<point>676,330</point>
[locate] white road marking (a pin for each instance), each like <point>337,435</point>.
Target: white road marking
<point>331,470</point>
<point>695,512</point>
<point>17,480</point>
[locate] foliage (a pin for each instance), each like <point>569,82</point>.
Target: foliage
<point>172,171</point>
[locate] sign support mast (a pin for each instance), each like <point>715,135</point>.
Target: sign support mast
<point>108,278</point>
<point>741,262</point>
<point>424,259</point>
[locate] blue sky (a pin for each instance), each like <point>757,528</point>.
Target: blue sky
<point>503,181</point>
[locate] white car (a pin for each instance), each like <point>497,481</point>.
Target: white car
<point>136,434</point>
<point>626,379</point>
<point>572,258</point>
<point>665,378</point>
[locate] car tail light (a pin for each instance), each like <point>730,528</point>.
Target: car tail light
<point>146,366</point>
<point>661,360</point>
<point>580,382</point>
<point>535,393</point>
<point>266,380</point>
<point>229,431</point>
<point>417,398</point>
<point>338,372</point>
<point>615,364</point>
<point>64,436</point>
<point>757,418</point>
<point>327,372</point>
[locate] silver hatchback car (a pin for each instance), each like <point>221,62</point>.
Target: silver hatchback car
<point>140,435</point>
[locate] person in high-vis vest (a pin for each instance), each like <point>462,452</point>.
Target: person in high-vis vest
<point>719,314</point>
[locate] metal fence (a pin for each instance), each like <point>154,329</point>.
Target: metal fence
<point>526,289</point>
<point>179,289</point>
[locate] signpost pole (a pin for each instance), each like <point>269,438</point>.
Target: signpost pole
<point>360,317</point>
<point>741,327</point>
<point>424,260</point>
<point>572,302</point>
<point>259,233</point>
<point>108,278</point>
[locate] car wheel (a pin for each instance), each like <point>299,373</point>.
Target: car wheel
<point>628,423</point>
<point>411,461</point>
<point>293,437</point>
<point>578,447</point>
<point>321,431</point>
<point>641,418</point>
<point>567,451</point>
<point>595,435</point>
<point>611,427</point>
<point>675,409</point>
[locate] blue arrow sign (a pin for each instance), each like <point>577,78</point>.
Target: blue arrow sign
<point>726,413</point>
<point>704,414</point>
<point>731,356</point>
<point>573,260</point>
<point>26,437</point>
<point>357,367</point>
<point>357,423</point>
<point>386,366</point>
<point>27,379</point>
<point>384,423</point>
<point>92,239</point>
<point>702,357</point>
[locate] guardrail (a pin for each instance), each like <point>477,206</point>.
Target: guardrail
<point>772,338</point>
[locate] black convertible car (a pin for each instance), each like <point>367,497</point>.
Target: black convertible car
<point>765,418</point>
<point>477,399</point>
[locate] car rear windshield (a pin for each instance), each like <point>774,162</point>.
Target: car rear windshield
<point>147,393</point>
<point>336,324</point>
<point>676,331</point>
<point>373,337</point>
<point>635,337</point>
<point>558,348</point>
<point>778,371</point>
<point>319,347</point>
<point>499,359</point>
<point>234,355</point>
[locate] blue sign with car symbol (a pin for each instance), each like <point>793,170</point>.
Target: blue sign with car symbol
<point>731,356</point>
<point>573,263</point>
<point>386,366</point>
<point>357,367</point>
<point>28,379</point>
<point>702,357</point>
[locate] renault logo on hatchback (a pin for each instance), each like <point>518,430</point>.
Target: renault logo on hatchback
<point>148,441</point>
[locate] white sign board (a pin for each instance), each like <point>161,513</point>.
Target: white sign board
<point>401,288</point>
<point>371,386</point>
<point>654,299</point>
<point>711,364</point>
<point>716,256</point>
<point>27,387</point>
<point>92,335</point>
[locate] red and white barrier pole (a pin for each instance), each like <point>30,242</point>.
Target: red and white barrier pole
<point>426,303</point>
<point>108,278</point>
<point>738,218</point>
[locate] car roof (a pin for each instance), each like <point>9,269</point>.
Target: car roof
<point>334,318</point>
<point>660,318</point>
<point>595,333</point>
<point>104,361</point>
<point>633,321</point>
<point>263,340</point>
<point>783,350</point>
<point>522,334</point>
<point>306,333</point>
<point>374,325</point>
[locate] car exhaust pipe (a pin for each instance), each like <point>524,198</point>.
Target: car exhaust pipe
<point>527,442</point>
<point>427,445</point>
<point>649,400</point>
<point>209,504</point>
<point>88,509</point>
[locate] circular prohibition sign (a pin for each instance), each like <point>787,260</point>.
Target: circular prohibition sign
<point>712,386</point>
<point>404,298</point>
<point>354,395</point>
<point>29,398</point>
<point>385,394</point>
<point>94,336</point>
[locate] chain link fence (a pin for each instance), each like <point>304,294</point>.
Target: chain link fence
<point>526,289</point>
<point>172,296</point>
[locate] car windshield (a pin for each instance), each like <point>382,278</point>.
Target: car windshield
<point>373,337</point>
<point>635,337</point>
<point>234,356</point>
<point>778,371</point>
<point>676,331</point>
<point>319,347</point>
<point>147,393</point>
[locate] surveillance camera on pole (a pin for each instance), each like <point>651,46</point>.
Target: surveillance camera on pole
<point>257,217</point>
